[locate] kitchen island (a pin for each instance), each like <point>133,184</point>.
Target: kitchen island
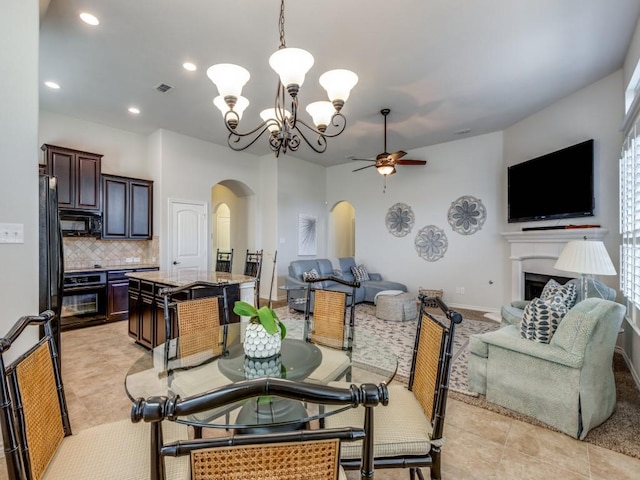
<point>146,305</point>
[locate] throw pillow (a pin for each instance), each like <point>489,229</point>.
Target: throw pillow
<point>310,275</point>
<point>567,292</point>
<point>542,317</point>
<point>360,273</point>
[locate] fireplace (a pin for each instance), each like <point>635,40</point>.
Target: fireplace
<point>535,282</point>
<point>536,251</point>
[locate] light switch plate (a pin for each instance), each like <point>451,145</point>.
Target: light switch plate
<point>11,233</point>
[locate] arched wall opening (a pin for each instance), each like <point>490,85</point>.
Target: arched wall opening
<point>342,230</point>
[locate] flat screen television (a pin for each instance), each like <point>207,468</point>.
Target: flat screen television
<point>556,185</point>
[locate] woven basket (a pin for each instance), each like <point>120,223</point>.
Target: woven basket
<point>425,292</point>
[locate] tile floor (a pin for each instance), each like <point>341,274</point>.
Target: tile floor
<point>479,444</point>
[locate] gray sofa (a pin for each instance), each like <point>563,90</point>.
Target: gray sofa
<point>567,383</point>
<point>367,291</point>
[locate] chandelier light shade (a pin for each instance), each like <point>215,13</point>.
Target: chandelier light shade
<point>586,257</point>
<point>286,128</point>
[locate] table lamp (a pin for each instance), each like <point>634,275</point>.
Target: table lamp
<point>586,257</point>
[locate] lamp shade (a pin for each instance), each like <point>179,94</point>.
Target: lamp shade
<point>229,78</point>
<point>241,104</point>
<point>585,256</point>
<point>338,83</point>
<point>386,169</point>
<point>321,112</point>
<point>291,64</point>
<point>274,118</point>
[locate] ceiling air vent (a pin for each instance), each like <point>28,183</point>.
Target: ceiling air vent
<point>163,87</point>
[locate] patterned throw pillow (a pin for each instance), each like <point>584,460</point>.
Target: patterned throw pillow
<point>567,292</point>
<point>541,318</point>
<point>360,273</point>
<point>310,275</point>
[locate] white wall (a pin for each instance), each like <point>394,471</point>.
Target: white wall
<point>301,189</point>
<point>125,153</point>
<point>593,112</point>
<point>19,164</point>
<point>470,166</point>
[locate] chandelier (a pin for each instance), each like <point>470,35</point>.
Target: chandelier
<point>284,126</point>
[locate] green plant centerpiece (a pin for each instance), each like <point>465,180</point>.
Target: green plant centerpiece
<point>263,336</point>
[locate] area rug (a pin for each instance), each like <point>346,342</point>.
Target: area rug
<point>400,336</point>
<point>620,433</point>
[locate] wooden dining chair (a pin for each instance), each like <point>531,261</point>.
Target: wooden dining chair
<point>330,324</point>
<point>275,452</point>
<point>224,261</point>
<point>409,433</point>
<point>253,268</point>
<point>36,430</point>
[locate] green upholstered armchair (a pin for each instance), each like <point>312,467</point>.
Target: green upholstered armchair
<point>567,383</point>
<point>512,314</point>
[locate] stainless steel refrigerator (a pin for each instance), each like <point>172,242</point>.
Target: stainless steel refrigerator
<point>51,253</point>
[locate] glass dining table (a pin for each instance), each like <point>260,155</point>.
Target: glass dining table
<point>163,372</point>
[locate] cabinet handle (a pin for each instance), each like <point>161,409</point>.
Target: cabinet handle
<point>175,262</point>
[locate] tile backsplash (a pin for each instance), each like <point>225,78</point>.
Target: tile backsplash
<point>87,252</point>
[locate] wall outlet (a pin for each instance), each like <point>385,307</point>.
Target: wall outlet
<point>128,260</point>
<point>460,290</point>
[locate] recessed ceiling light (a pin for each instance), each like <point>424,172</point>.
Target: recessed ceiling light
<point>52,85</point>
<point>189,66</point>
<point>89,19</point>
<point>134,110</point>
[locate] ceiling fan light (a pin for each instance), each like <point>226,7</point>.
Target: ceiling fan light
<point>229,78</point>
<point>338,84</point>
<point>386,169</point>
<point>321,112</point>
<point>291,64</point>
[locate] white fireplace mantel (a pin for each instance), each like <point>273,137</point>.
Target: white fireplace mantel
<point>536,251</point>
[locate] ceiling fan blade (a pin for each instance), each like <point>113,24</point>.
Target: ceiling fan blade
<point>395,156</point>
<point>364,159</point>
<point>362,168</point>
<point>411,162</point>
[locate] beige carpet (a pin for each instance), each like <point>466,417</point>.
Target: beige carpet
<point>620,433</point>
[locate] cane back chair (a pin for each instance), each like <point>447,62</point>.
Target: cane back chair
<point>409,433</point>
<point>200,327</point>
<point>331,326</point>
<point>36,430</point>
<point>253,268</point>
<point>224,261</point>
<point>278,453</point>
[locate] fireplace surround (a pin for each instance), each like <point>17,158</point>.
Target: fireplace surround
<point>536,252</point>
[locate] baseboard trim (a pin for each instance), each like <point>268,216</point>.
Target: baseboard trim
<point>634,373</point>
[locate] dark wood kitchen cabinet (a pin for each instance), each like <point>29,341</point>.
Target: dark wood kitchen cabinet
<point>127,208</point>
<point>78,176</point>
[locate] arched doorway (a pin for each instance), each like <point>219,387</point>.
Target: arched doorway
<point>234,222</point>
<point>342,237</point>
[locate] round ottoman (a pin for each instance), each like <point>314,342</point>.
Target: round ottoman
<point>397,308</point>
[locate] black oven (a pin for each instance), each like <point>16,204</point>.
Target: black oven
<point>84,299</point>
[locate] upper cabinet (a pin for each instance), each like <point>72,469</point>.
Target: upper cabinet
<point>78,175</point>
<point>127,208</point>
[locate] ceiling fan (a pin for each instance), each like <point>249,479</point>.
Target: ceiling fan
<point>386,162</point>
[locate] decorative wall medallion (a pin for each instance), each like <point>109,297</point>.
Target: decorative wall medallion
<point>400,219</point>
<point>467,215</point>
<point>431,243</point>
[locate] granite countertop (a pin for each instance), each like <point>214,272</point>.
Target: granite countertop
<point>179,279</point>
<point>100,268</point>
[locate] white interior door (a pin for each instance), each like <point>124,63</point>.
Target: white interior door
<point>188,234</point>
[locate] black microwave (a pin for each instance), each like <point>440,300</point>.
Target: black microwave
<point>80,224</point>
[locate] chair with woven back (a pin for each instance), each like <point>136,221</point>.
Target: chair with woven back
<point>196,334</point>
<point>224,261</point>
<point>409,433</point>
<point>331,326</point>
<point>36,429</point>
<point>253,268</point>
<point>279,453</point>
